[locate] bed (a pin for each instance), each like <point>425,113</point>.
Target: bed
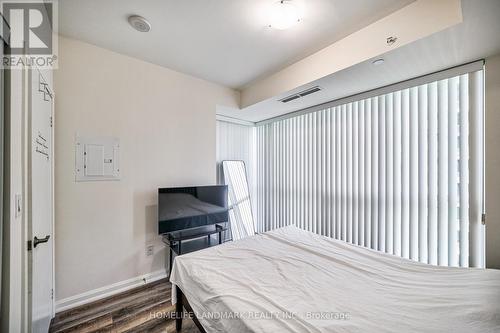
<point>290,280</point>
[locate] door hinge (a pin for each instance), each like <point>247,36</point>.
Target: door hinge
<point>52,293</point>
<point>483,219</point>
<point>51,122</point>
<point>30,245</point>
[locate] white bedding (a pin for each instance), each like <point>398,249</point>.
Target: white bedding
<point>290,280</point>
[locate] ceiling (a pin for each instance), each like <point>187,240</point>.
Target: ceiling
<point>476,38</point>
<point>223,41</point>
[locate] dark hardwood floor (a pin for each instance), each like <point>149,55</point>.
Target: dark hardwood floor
<point>144,309</point>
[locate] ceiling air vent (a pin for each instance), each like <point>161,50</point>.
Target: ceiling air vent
<point>300,94</point>
<point>309,91</point>
<point>290,98</point>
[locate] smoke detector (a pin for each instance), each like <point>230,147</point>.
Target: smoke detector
<point>391,40</point>
<point>139,23</point>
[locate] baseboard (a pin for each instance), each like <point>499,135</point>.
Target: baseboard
<point>109,290</point>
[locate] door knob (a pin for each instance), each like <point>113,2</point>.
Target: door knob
<point>37,240</point>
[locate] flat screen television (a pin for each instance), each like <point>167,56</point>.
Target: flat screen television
<point>182,208</point>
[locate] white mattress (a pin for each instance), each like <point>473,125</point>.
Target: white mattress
<point>290,280</point>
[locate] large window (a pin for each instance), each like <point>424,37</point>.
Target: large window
<point>399,170</point>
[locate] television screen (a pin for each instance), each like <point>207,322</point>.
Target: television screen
<point>190,207</point>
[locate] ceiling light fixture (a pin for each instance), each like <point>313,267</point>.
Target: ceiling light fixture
<point>378,62</point>
<point>139,23</point>
<point>283,15</point>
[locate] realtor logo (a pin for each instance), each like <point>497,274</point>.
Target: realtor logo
<point>28,30</point>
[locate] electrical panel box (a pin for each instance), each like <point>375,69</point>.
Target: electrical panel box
<point>97,158</point>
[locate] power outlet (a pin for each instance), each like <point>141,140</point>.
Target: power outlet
<point>150,250</point>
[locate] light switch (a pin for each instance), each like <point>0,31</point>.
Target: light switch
<point>19,205</point>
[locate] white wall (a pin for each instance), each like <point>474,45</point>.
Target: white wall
<point>492,79</point>
<point>165,121</point>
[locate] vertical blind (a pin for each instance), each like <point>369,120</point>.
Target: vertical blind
<point>400,172</point>
<point>237,142</point>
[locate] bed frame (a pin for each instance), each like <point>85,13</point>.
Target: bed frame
<point>182,303</point>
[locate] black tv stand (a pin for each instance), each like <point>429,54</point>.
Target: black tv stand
<point>197,239</point>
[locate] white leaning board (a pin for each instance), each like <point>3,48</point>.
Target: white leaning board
<point>97,158</point>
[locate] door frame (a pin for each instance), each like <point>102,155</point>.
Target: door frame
<point>53,192</point>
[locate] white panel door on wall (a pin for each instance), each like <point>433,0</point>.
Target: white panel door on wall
<point>40,200</point>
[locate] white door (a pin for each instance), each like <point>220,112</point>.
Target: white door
<point>40,200</point>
